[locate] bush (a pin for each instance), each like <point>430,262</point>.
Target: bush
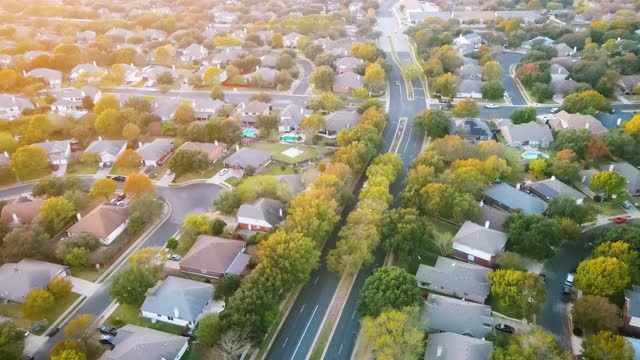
<point>172,244</point>
<point>218,227</point>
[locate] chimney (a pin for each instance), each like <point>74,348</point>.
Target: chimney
<point>439,351</point>
<point>78,216</point>
<point>619,121</point>
<point>611,167</point>
<point>176,312</point>
<point>24,73</point>
<point>237,147</point>
<point>553,177</point>
<point>139,144</point>
<point>518,186</point>
<point>486,224</point>
<point>15,218</point>
<point>6,154</point>
<point>99,138</point>
<point>280,212</point>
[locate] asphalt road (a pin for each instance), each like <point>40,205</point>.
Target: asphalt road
<point>506,60</point>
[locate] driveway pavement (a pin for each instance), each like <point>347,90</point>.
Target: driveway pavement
<point>222,179</point>
<point>32,343</point>
<point>62,169</point>
<point>166,179</point>
<point>82,286</point>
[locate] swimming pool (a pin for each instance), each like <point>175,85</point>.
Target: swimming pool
<point>292,138</point>
<point>532,155</point>
<point>249,132</point>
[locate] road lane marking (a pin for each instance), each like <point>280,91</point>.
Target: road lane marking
<point>354,314</point>
<point>304,332</point>
<point>302,308</point>
<point>285,342</point>
<point>315,282</point>
<point>408,139</point>
<point>340,350</point>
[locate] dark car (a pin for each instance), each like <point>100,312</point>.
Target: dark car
<point>120,178</point>
<point>505,328</point>
<point>108,330</point>
<point>121,197</point>
<point>106,340</point>
<point>54,331</point>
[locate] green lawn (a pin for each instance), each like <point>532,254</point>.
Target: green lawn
<point>608,208</point>
<point>12,310</point>
<point>78,168</point>
<point>497,306</point>
<point>130,314</point>
<point>207,174</point>
<point>123,170</point>
<point>89,274</point>
<point>276,169</point>
<point>276,150</point>
<point>443,229</point>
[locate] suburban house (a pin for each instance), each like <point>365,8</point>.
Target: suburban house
<point>69,100</point>
<point>506,197</point>
<point>18,279</point>
<point>165,107</point>
<point>348,64</point>
<point>291,39</point>
<point>215,257</point>
<point>530,134</point>
<point>548,189</point>
<point>455,278</point>
<point>564,50</point>
<point>452,346</point>
<point>85,36</point>
<point>52,77</point>
<point>204,108</point>
<point>470,88</point>
<point>194,52</point>
<point>631,310</point>
<point>248,158</point>
<point>565,121</point>
<point>295,182</point>
<point>585,182</point>
<point>470,69</point>
<point>262,77</point>
<point>154,34</point>
<point>462,317</point>
<point>106,222</point>
<point>539,40</point>
<point>214,150</point>
<point>347,82</point>
<point>478,244</point>
<point>156,152</point>
<point>290,118</point>
<point>137,342</point>
<point>340,120</point>
<point>131,74</point>
<point>261,215</point>
<point>152,72</point>
<point>248,113</point>
<point>472,38</point>
<point>473,130</point>
<point>21,211</point>
<point>177,301</point>
<point>109,150</point>
<point>630,172</point>
<point>11,106</point>
<point>57,151</point>
<point>628,83</point>
<point>94,72</point>
<point>558,72</point>
<point>120,33</point>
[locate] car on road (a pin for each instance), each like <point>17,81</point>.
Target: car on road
<point>397,82</point>
<point>620,220</point>
<point>119,178</point>
<point>53,331</point>
<point>626,204</point>
<point>491,106</point>
<point>107,330</point>
<point>566,288</point>
<point>169,172</point>
<point>120,203</point>
<point>223,172</point>
<point>554,110</point>
<point>121,197</point>
<point>174,257</point>
<point>505,328</point>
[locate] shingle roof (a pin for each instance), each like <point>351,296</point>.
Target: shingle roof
<point>530,131</point>
<point>478,237</point>
<point>349,80</point>
<point>101,221</point>
<point>563,121</point>
<point>155,149</point>
<point>26,211</point>
<point>188,297</point>
<point>552,188</point>
<point>106,147</point>
<point>630,172</point>
<point>451,346</point>
<point>53,147</point>
<point>515,199</point>
<point>213,254</point>
<point>248,157</point>
<point>291,115</point>
<point>461,317</point>
<point>269,210</point>
<point>633,296</point>
<point>456,276</point>
<point>18,279</point>
<point>341,119</point>
<point>136,342</point>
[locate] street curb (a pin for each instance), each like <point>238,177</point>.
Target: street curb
<point>66,315</point>
<point>284,318</point>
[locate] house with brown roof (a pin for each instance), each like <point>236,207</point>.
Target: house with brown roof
<point>248,112</point>
<point>565,121</point>
<point>106,222</point>
<point>214,257</point>
<point>214,150</point>
<point>347,82</point>
<point>21,211</point>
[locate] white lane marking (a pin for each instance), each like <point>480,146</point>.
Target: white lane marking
<point>304,332</point>
<point>354,314</point>
<point>315,282</point>
<point>340,350</point>
<point>302,308</point>
<point>285,342</point>
<point>408,139</point>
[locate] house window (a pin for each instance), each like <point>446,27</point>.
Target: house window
<point>466,294</point>
<point>471,257</point>
<point>159,315</point>
<point>170,318</point>
<point>425,284</point>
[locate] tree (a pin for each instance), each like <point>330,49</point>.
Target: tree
<point>622,251</point>
<point>77,258</point>
<point>106,101</point>
<point>607,346</point>
<point>533,345</point>
<point>209,330</point>
<point>103,188</point>
<point>492,70</point>
<point>566,207</point>
<point>493,90</point>
<point>602,276</point>
<point>211,75</point>
<point>310,125</point>
<point>522,292</point>
<point>151,259</point>
<point>586,102</point>
<point>446,85</point>
<point>434,122</point>
<point>609,182</point>
<point>29,161</point>
<point>405,232</point>
<point>533,235</point>
<point>322,78</point>
<point>216,93</point>
<point>227,202</point>
<point>109,122</point>
<point>268,125</point>
<point>186,161</point>
<point>277,41</point>
<point>433,68</point>
<point>80,328</point>
<point>129,159</point>
<point>375,78</point>
<point>39,129</point>
<point>313,213</point>
<point>594,313</point>
<point>131,285</point>
<point>70,355</point>
<point>466,108</point>
<point>365,51</point>
<point>524,115</point>
<point>11,341</point>
<point>60,287</point>
<point>131,133</point>
<point>510,260</point>
<point>37,304</point>
<point>184,114</point>
<point>389,288</point>
<point>137,184</point>
<point>56,213</point>
<point>542,92</point>
<point>28,241</point>
<point>538,167</point>
<point>567,170</point>
<point>395,334</point>
<point>7,142</point>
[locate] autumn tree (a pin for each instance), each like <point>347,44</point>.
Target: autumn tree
<point>375,78</point>
<point>211,75</point>
<point>80,328</point>
<point>70,354</point>
<point>103,188</point>
<point>323,78</point>
<point>56,213</point>
<point>277,41</point>
<point>310,125</point>
<point>105,102</point>
<point>606,346</point>
<point>37,304</point>
<point>492,70</point>
<point>151,259</point>
<point>137,184</point>
<point>109,122</point>
<point>608,182</point>
<point>129,159</point>
<point>184,114</point>
<point>38,129</point>
<point>29,161</point>
<point>389,288</point>
<point>365,51</point>
<point>622,251</point>
<point>11,341</point>
<point>538,167</point>
<point>130,285</point>
<point>587,102</point>
<point>434,122</point>
<point>131,133</point>
<point>7,142</point>
<point>602,276</point>
<point>395,334</point>
<point>313,213</point>
<point>446,85</point>
<point>60,287</point>
<point>216,93</point>
<point>522,292</point>
<point>535,344</point>
<point>466,108</point>
<point>594,313</point>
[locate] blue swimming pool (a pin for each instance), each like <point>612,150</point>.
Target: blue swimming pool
<point>249,132</point>
<point>532,155</point>
<point>292,138</point>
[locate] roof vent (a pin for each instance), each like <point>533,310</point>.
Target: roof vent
<point>439,351</point>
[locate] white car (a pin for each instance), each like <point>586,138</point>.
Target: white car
<point>491,106</point>
<point>223,172</point>
<point>174,257</point>
<point>169,172</point>
<point>554,110</point>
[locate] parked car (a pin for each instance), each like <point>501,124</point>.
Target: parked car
<point>106,340</point>
<point>108,164</point>
<point>24,332</point>
<point>121,197</point>
<point>505,328</point>
<point>554,110</point>
<point>223,172</point>
<point>620,220</point>
<point>566,288</point>
<point>626,204</point>
<point>108,330</point>
<point>397,82</point>
<point>491,106</point>
<point>169,172</point>
<point>53,331</point>
<point>120,203</point>
<point>101,166</point>
<point>120,178</point>
<point>174,257</point>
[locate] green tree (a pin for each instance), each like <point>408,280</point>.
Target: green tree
<point>27,241</point>
<point>187,161</point>
<point>446,85</point>
<point>523,115</point>
<point>56,213</point>
<point>105,102</point>
<point>228,202</point>
<point>607,346</point>
<point>542,92</point>
<point>586,102</point>
<point>566,169</point>
<point>209,330</point>
<point>37,304</point>
<point>493,90</point>
<point>184,114</point>
<point>131,285</point>
<point>38,129</point>
<point>405,232</point>
<point>172,244</point>
<point>11,341</point>
<point>322,78</point>
<point>609,182</point>
<point>492,70</point>
<point>538,167</point>
<point>216,93</point>
<point>29,161</point>
<point>277,41</point>
<point>566,207</point>
<point>602,276</point>
<point>434,122</point>
<point>395,334</point>
<point>533,235</point>
<point>389,288</point>
<point>522,292</point>
<point>466,108</point>
<point>56,186</point>
<point>103,188</point>
<point>594,313</point>
<point>331,102</point>
<point>77,258</point>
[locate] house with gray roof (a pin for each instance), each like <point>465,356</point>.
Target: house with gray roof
<point>470,69</point>
<point>154,34</point>
<point>631,310</point>
<point>85,36</point>
<point>445,314</point>
<point>194,52</point>
<point>530,134</point>
<point>478,244</point>
<point>585,182</point>
<point>564,50</point>
<point>564,87</point>
<point>57,151</point>
<point>347,81</point>
<point>340,120</point>
<point>30,55</point>
<point>469,88</point>
<point>215,257</point>
<point>261,215</point>
<point>52,77</point>
<point>295,182</point>
<point>136,342</point>
<point>223,57</point>
<point>12,106</point>
<point>455,278</point>
<point>177,301</point>
<point>291,39</point>
<point>247,113</point>
<point>205,108</point>
<point>248,158</point>
<point>165,107</point>
<point>452,346</point>
<point>470,129</point>
<point>539,40</point>
<point>95,72</point>
<point>262,77</point>
<point>558,72</point>
<point>566,121</point>
<point>290,117</point>
<point>348,64</point>
<point>156,152</point>
<point>471,38</point>
<point>552,188</point>
<point>508,198</point>
<point>18,279</point>
<point>628,83</point>
<point>109,150</point>
<point>120,33</point>
<point>630,172</point>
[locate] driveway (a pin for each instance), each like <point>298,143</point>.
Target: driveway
<point>166,179</point>
<point>83,287</point>
<point>62,169</point>
<point>221,179</point>
<point>32,343</point>
<point>103,173</point>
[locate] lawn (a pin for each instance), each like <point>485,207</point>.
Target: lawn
<point>309,153</point>
<point>130,314</point>
<point>89,274</point>
<point>497,306</point>
<point>12,310</point>
<point>442,229</point>
<point>276,169</point>
<point>607,208</point>
<point>123,170</point>
<point>78,168</point>
<point>207,174</point>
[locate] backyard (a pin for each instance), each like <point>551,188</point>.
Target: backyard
<point>13,311</point>
<point>277,169</point>
<point>130,314</point>
<point>303,153</point>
